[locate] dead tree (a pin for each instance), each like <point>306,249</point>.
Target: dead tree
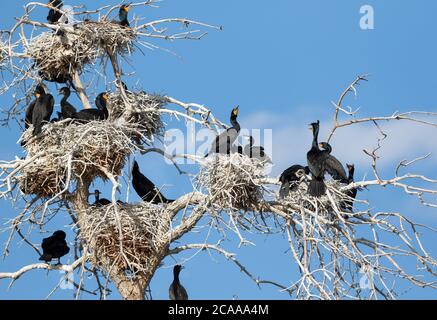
<point>126,243</point>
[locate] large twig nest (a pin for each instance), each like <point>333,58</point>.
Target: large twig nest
<point>45,177</point>
<point>333,201</point>
<point>83,150</point>
<point>58,54</point>
<point>141,109</point>
<point>231,181</point>
<point>131,238</point>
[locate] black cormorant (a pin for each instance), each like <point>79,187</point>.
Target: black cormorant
<point>54,247</point>
<point>177,290</point>
<point>334,167</point>
<point>54,15</point>
<point>42,111</point>
<point>124,10</point>
<point>39,90</point>
<point>145,188</point>
<point>290,179</point>
<point>100,202</point>
<point>101,113</point>
<point>321,161</point>
<point>67,109</point>
<point>256,152</point>
<point>348,204</point>
<point>223,142</point>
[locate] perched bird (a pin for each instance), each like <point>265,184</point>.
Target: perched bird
<point>54,247</point>
<point>255,152</point>
<point>334,167</point>
<point>68,111</point>
<point>291,178</point>
<point>42,111</point>
<point>99,114</point>
<point>177,290</point>
<point>321,161</point>
<point>39,90</point>
<point>223,142</point>
<point>54,15</point>
<point>100,202</point>
<point>59,117</point>
<point>145,188</point>
<point>122,15</point>
<point>348,204</point>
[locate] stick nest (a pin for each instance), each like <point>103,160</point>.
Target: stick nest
<point>143,243</point>
<point>231,181</point>
<point>77,150</point>
<point>326,206</point>
<point>57,55</point>
<point>141,109</point>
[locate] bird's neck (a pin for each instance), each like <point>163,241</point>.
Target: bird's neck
<point>65,98</point>
<point>235,123</point>
<point>316,139</point>
<point>351,174</point>
<point>176,276</point>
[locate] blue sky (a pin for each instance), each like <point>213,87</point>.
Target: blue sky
<point>283,62</point>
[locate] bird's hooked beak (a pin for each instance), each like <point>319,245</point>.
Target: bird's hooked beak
<point>105,96</point>
<point>126,8</point>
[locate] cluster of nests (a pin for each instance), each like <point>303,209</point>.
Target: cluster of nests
<point>59,54</point>
<point>232,181</point>
<point>71,150</point>
<point>144,230</point>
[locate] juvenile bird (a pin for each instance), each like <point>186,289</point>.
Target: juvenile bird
<point>54,247</point>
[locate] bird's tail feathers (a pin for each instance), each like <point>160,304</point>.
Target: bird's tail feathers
<point>317,187</point>
<point>46,257</point>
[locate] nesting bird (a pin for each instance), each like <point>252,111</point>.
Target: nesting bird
<point>255,152</point>
<point>348,204</point>
<point>54,15</point>
<point>177,290</point>
<point>39,90</point>
<point>68,111</point>
<point>145,188</point>
<point>54,247</point>
<point>223,143</point>
<point>100,202</point>
<point>42,110</point>
<point>123,15</point>
<point>321,161</point>
<point>291,178</point>
<point>99,114</point>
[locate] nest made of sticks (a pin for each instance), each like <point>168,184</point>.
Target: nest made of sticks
<point>141,109</point>
<point>142,244</point>
<point>57,55</point>
<point>82,149</point>
<point>334,200</point>
<point>232,181</point>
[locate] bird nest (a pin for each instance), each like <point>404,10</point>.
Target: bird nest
<point>333,201</point>
<point>141,109</point>
<point>86,151</point>
<point>58,55</point>
<point>131,238</point>
<point>231,181</point>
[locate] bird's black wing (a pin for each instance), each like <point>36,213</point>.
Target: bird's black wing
<point>49,103</point>
<point>334,168</point>
<point>68,110</point>
<point>46,244</point>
